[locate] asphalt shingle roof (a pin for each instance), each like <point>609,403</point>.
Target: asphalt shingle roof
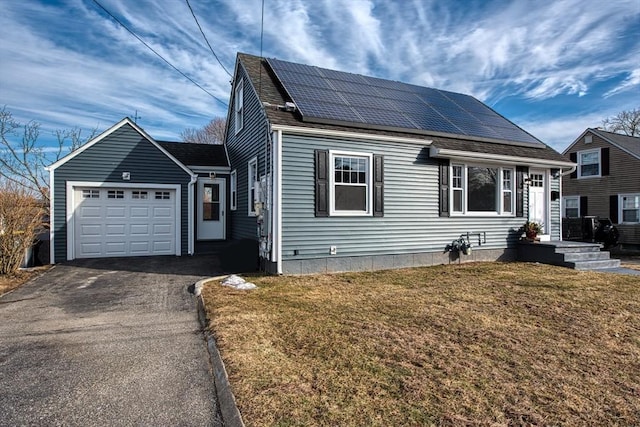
<point>629,143</point>
<point>190,154</point>
<point>272,92</point>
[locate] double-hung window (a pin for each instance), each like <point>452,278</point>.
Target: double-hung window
<point>238,104</point>
<point>630,208</point>
<point>589,163</point>
<point>572,207</point>
<point>482,189</point>
<point>350,183</point>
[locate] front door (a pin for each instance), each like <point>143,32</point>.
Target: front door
<point>211,208</point>
<point>537,199</point>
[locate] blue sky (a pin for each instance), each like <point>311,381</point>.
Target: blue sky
<point>552,67</point>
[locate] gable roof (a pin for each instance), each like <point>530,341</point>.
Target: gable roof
<point>124,122</point>
<point>630,144</point>
<point>273,94</point>
<point>192,154</point>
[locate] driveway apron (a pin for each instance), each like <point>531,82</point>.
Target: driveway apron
<point>107,342</point>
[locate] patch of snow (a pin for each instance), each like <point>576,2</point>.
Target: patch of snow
<point>238,283</point>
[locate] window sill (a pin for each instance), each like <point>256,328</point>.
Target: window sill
<point>590,177</point>
<point>481,215</point>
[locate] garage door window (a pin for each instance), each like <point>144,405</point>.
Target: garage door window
<point>115,194</point>
<point>140,195</point>
<point>90,194</point>
<point>163,195</point>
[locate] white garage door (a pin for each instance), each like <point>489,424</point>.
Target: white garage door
<point>112,222</point>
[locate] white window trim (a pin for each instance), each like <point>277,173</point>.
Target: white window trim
<point>369,193</point>
<point>620,207</point>
<point>580,153</point>
<point>253,163</point>
<point>564,205</point>
<point>499,212</point>
<point>233,187</point>
<point>238,105</point>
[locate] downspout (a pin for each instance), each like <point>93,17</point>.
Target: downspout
<point>52,257</point>
<point>568,172</point>
<point>191,203</point>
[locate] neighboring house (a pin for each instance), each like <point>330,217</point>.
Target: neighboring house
<point>334,171</point>
<point>125,194</point>
<point>606,183</point>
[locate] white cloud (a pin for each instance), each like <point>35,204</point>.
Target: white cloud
<point>87,70</point>
<point>632,80</point>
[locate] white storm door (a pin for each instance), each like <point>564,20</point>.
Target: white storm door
<point>537,199</point>
<point>211,208</point>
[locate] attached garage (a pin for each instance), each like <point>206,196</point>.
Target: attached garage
<point>121,221</point>
<point>122,194</point>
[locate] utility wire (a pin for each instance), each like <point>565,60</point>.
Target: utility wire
<point>158,55</point>
<point>205,38</point>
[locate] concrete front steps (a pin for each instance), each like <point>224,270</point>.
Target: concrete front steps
<point>576,255</point>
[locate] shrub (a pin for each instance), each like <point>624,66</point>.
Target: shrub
<point>20,220</point>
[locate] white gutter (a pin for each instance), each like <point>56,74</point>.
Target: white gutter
<point>475,156</point>
<point>52,256</point>
<point>277,176</point>
<point>191,202</point>
<point>351,135</point>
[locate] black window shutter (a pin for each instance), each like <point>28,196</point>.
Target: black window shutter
<point>604,160</point>
<point>584,206</point>
<point>378,185</point>
<point>574,158</point>
<point>613,208</point>
<point>444,187</point>
<point>520,172</point>
<point>322,182</point>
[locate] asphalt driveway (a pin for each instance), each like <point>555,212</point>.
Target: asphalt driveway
<point>107,342</point>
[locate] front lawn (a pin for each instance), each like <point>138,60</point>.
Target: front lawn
<point>471,344</point>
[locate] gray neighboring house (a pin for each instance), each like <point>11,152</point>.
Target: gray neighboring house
<point>606,183</point>
<point>125,194</point>
<point>333,171</point>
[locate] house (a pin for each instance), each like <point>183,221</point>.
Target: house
<point>606,182</point>
<point>333,171</point>
<point>126,194</point>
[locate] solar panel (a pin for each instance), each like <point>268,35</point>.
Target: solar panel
<point>331,96</point>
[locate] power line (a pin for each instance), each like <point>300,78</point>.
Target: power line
<point>158,55</point>
<point>205,38</point>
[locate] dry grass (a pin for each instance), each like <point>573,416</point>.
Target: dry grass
<point>12,281</point>
<point>472,344</point>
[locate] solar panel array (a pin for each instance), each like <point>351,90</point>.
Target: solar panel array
<point>323,95</point>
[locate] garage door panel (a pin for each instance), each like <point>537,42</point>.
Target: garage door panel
<point>137,248</point>
<point>162,246</point>
<point>89,212</point>
<point>115,230</point>
<point>139,212</point>
<point>115,248</point>
<point>116,212</point>
<point>139,229</point>
<point>124,226</point>
<point>91,230</point>
<point>91,249</point>
<point>162,212</point>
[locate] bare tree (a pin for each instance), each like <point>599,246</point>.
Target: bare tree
<point>20,221</point>
<point>213,132</point>
<point>22,159</point>
<point>626,122</point>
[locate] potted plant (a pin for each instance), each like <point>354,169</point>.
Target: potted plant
<point>531,229</point>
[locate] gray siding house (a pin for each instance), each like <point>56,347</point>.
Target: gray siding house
<point>334,171</point>
<point>606,183</point>
<point>125,194</point>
